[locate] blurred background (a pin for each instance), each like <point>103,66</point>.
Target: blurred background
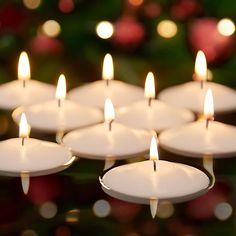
<point>72,37</point>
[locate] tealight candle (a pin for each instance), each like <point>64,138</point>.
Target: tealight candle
<point>24,91</point>
<point>108,140</point>
<point>203,137</point>
<point>27,157</point>
<point>191,95</point>
<point>96,92</point>
<point>149,181</point>
<point>152,114</point>
<point>59,114</point>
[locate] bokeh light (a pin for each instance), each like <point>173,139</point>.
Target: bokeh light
<point>167,29</point>
<point>209,75</point>
<point>51,28</point>
<point>135,2</point>
<point>29,232</point>
<point>104,29</point>
<point>165,210</point>
<point>223,211</point>
<point>101,208</point>
<point>226,27</point>
<point>72,216</point>
<point>32,4</point>
<point>48,210</point>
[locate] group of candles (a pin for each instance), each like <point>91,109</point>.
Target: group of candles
<point>125,133</point>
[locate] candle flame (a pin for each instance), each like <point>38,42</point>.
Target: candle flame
<point>24,129</point>
<point>24,67</point>
<point>61,87</point>
<point>209,105</point>
<point>153,149</point>
<point>108,70</point>
<point>201,66</point>
<point>109,111</point>
<point>150,86</point>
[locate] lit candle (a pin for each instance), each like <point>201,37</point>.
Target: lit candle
<point>191,95</point>
<point>96,92</point>
<point>59,114</point>
<point>24,91</point>
<point>203,137</point>
<point>108,140</point>
<point>154,114</point>
<point>27,157</point>
<point>147,183</point>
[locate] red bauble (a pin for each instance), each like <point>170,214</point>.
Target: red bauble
<point>129,33</point>
<point>204,35</point>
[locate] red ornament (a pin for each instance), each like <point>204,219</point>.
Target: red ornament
<point>66,6</point>
<point>204,35</point>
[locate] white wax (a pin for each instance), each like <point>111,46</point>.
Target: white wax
<point>14,95</point>
<point>95,93</point>
<point>191,96</point>
<point>36,157</point>
<point>97,142</point>
<point>170,181</point>
<point>158,117</point>
<point>195,140</point>
<point>48,116</point>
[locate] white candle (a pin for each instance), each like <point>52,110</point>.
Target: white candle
<point>59,114</point>
<point>107,140</point>
<point>24,91</point>
<point>152,114</point>
<point>96,92</point>
<point>191,95</point>
<point>139,182</point>
<point>203,137</point>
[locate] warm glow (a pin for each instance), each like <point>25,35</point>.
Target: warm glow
<point>153,149</point>
<point>167,29</point>
<point>109,111</point>
<point>209,105</point>
<point>51,28</point>
<point>200,66</point>
<point>24,127</point>
<point>24,67</point>
<point>61,87</point>
<point>104,29</point>
<point>136,2</point>
<point>226,27</point>
<point>108,70</point>
<point>150,86</point>
<point>32,4</point>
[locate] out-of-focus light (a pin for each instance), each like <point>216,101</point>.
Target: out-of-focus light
<point>167,29</point>
<point>101,208</point>
<point>135,2</point>
<point>226,27</point>
<point>51,28</point>
<point>32,4</point>
<point>63,231</point>
<point>29,232</point>
<point>48,210</point>
<point>72,216</point>
<point>209,75</point>
<point>165,210</point>
<point>223,211</point>
<point>104,29</point>
<point>66,6</point>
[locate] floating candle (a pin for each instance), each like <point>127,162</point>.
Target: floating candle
<point>59,114</point>
<point>27,157</point>
<point>96,92</point>
<point>191,95</point>
<point>146,182</point>
<point>24,91</point>
<point>152,114</point>
<point>203,137</point>
<point>108,140</point>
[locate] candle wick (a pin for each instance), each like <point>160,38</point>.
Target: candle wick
<point>207,123</point>
<point>149,102</point>
<point>24,83</point>
<point>22,141</point>
<point>107,82</point>
<point>154,165</point>
<point>202,84</point>
<point>59,102</point>
<point>110,124</point>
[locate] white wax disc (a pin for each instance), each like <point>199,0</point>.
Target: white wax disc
<point>36,157</point>
<point>158,117</point>
<point>139,181</point>
<point>14,95</point>
<point>191,96</point>
<point>195,140</point>
<point>95,94</point>
<point>48,116</point>
<point>97,142</point>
